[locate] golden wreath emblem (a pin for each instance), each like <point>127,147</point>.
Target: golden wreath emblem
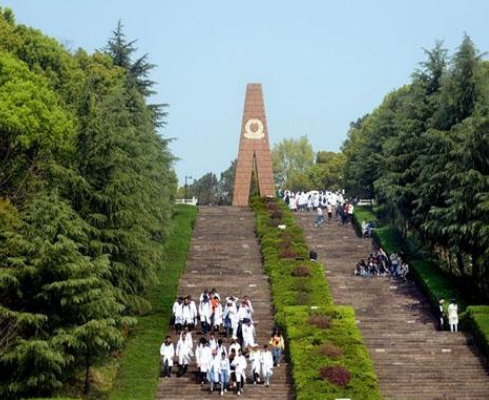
<point>254,134</point>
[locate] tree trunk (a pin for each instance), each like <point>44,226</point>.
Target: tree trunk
<point>461,263</point>
<point>87,373</point>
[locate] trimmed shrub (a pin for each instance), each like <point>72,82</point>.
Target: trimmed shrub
<point>320,321</point>
<point>301,271</point>
<point>286,253</point>
<point>330,350</point>
<point>302,298</point>
<point>337,375</point>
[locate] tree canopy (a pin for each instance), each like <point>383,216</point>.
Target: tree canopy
<point>86,192</point>
<point>424,154</point>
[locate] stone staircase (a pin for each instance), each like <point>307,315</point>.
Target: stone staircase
<point>413,360</point>
<point>225,254</point>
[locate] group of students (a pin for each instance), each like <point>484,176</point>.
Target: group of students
<point>344,213</point>
<point>234,318</point>
<point>218,365</point>
<point>378,264</point>
<point>310,201</point>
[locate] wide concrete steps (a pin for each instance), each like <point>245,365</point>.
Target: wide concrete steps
<point>413,360</point>
<point>225,254</point>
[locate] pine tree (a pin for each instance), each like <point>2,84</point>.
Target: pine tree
<point>55,293</point>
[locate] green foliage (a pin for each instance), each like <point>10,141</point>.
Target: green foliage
<point>86,192</point>
<point>292,159</point>
<point>139,369</point>
<point>424,153</point>
<point>327,172</point>
<point>305,310</point>
<point>477,320</point>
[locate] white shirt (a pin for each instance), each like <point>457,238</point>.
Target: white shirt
<point>452,313</point>
<point>184,352</point>
<point>167,352</point>
<point>234,346</point>
<point>266,362</point>
<point>203,356</point>
<point>255,358</point>
<point>248,335</point>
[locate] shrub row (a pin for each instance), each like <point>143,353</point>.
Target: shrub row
<point>477,321</point>
<point>328,357</point>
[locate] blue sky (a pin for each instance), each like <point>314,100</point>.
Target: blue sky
<point>322,63</point>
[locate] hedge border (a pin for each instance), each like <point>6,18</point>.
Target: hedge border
<point>296,299</point>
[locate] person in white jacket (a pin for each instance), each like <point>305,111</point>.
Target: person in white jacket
<point>189,313</point>
<point>231,320</point>
<point>453,316</point>
<point>205,312</point>
<point>214,372</point>
<point>234,346</point>
<point>244,311</point>
<point>255,359</point>
<point>167,352</point>
<point>248,332</point>
<point>203,357</point>
<point>184,353</point>
<point>240,365</point>
<point>177,315</point>
<point>249,304</point>
<point>266,359</point>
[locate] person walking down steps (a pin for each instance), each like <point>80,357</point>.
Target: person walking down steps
<point>266,361</point>
<point>167,352</point>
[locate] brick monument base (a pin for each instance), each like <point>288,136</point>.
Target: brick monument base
<point>254,149</point>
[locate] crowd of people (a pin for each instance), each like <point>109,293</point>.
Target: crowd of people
<point>329,202</point>
<point>221,367</point>
<point>378,264</point>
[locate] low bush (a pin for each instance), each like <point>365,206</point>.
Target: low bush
<point>301,271</point>
<point>320,321</point>
<point>331,351</point>
<point>336,375</point>
<point>305,311</point>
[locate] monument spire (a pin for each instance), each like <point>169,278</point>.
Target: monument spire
<point>254,149</point>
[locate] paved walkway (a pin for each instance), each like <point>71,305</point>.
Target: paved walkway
<point>225,254</point>
<point>413,360</point>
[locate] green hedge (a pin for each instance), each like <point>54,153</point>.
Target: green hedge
<point>477,321</point>
<point>139,370</point>
<point>297,298</point>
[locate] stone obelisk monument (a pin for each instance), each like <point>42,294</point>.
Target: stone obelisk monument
<point>254,149</point>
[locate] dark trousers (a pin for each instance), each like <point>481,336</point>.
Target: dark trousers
<point>182,369</point>
<point>166,369</point>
